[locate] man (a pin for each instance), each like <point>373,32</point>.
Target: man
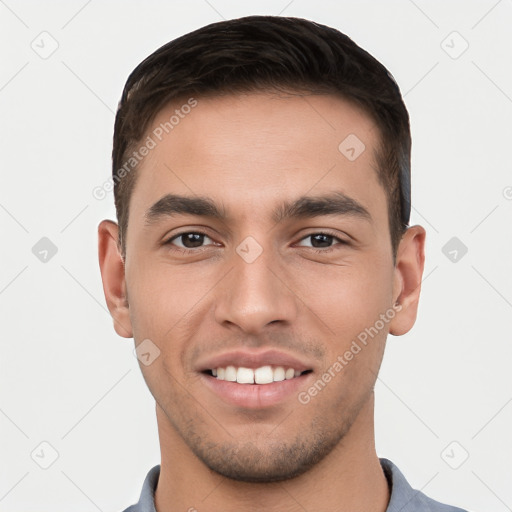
<point>262,186</point>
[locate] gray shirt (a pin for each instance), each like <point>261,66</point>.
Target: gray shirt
<point>403,497</point>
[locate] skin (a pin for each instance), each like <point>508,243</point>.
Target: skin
<point>249,153</point>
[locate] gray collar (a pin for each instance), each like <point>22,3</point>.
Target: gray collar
<point>403,497</point>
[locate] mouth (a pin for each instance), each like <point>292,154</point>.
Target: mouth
<point>263,375</point>
<point>255,379</point>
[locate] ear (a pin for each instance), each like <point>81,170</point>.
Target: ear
<point>113,277</point>
<point>410,261</point>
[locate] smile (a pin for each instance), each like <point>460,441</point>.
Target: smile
<point>263,375</point>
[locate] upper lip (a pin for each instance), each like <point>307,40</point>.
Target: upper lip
<point>246,359</point>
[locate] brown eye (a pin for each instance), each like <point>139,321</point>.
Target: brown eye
<point>323,241</point>
<point>188,240</point>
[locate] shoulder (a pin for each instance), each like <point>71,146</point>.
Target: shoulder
<point>406,499</point>
<point>146,501</point>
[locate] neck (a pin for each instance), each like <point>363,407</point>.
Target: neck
<point>349,478</point>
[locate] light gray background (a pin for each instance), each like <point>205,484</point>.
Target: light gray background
<point>67,379</point>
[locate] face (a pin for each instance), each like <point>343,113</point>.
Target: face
<point>275,278</point>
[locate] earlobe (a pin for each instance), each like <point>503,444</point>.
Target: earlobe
<point>408,275</point>
<point>113,277</point>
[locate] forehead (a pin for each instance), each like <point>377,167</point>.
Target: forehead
<point>248,150</point>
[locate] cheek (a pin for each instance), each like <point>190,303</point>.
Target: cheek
<point>161,295</point>
<point>347,299</point>
<point>167,304</point>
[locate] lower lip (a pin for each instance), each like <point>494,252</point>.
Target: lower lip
<point>255,396</point>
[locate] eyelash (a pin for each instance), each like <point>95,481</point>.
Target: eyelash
<point>197,250</point>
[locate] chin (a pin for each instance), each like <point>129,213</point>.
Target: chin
<point>265,464</point>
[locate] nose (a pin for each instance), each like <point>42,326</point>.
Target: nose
<point>256,294</point>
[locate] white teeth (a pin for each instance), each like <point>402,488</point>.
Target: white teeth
<point>263,375</point>
<point>230,374</point>
<point>245,375</point>
<point>279,374</point>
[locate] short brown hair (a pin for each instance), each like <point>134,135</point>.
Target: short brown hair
<point>263,53</point>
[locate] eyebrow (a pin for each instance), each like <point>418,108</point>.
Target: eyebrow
<point>335,203</point>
